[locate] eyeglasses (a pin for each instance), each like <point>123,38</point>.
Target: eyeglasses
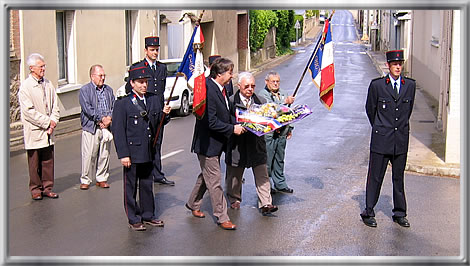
<point>41,66</point>
<point>100,76</point>
<point>275,81</point>
<point>250,86</point>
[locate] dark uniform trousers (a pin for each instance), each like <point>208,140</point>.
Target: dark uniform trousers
<point>139,176</point>
<point>377,167</point>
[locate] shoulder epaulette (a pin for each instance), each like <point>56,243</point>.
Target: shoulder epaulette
<point>410,78</point>
<point>378,78</point>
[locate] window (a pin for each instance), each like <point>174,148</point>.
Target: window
<point>65,46</point>
<point>132,42</point>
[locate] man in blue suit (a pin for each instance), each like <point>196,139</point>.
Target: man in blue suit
<point>211,135</point>
<point>135,120</point>
<point>389,105</point>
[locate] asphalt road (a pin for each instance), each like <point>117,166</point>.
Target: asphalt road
<point>326,165</point>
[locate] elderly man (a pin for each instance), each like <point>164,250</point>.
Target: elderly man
<point>135,120</point>
<point>40,115</point>
<point>276,141</point>
<point>247,150</point>
<point>96,102</point>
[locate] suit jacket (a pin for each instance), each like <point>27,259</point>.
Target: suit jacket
<point>134,133</point>
<point>34,115</point>
<point>389,115</point>
<point>246,150</point>
<point>212,132</point>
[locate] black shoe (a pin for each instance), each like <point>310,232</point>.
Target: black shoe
<point>164,181</point>
<point>273,191</point>
<point>402,221</point>
<point>267,209</point>
<point>286,190</point>
<point>369,221</point>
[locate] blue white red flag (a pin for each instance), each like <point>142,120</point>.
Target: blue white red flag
<point>322,67</point>
<point>193,68</point>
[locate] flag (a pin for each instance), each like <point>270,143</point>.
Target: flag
<point>322,67</point>
<point>193,68</point>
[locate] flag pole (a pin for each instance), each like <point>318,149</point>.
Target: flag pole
<point>322,39</point>
<point>179,74</point>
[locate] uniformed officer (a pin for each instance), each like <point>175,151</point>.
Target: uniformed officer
<point>156,85</point>
<point>135,119</point>
<point>389,105</point>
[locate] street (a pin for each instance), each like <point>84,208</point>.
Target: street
<point>326,165</point>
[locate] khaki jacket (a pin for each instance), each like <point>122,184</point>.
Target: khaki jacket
<point>33,112</point>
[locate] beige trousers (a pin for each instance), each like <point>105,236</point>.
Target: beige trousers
<point>95,157</point>
<point>233,184</point>
<point>209,179</point>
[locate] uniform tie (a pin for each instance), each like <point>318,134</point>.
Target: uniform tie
<point>154,68</point>
<point>395,88</point>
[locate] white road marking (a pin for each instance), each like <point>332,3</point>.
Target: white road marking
<point>171,154</point>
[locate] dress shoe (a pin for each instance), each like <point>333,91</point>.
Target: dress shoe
<point>103,184</point>
<point>235,205</point>
<point>137,227</point>
<point>266,209</point>
<point>369,221</point>
<point>286,190</point>
<point>228,225</point>
<point>155,222</point>
<point>51,195</point>
<point>165,181</point>
<point>195,213</point>
<point>84,186</point>
<point>402,221</point>
<point>37,196</point>
<point>273,191</point>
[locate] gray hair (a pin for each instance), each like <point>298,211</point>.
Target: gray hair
<point>271,73</point>
<point>33,58</point>
<point>244,75</point>
<point>94,67</point>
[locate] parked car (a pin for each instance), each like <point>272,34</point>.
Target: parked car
<point>182,97</point>
<point>322,16</point>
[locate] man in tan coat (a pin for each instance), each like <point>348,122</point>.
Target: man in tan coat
<point>40,115</point>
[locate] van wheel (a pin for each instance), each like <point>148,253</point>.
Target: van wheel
<point>184,108</point>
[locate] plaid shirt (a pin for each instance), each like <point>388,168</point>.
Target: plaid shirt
<point>103,108</point>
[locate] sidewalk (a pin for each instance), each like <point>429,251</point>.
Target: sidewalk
<point>427,144</point>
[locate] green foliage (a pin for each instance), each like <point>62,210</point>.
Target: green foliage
<point>292,33</point>
<point>260,23</point>
<point>311,13</point>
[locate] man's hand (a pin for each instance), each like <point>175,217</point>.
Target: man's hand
<point>126,162</point>
<point>289,100</point>
<point>52,124</point>
<point>105,121</point>
<point>289,135</point>
<point>166,109</point>
<point>238,130</point>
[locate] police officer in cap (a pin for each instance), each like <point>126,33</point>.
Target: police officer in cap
<point>135,120</point>
<point>156,85</point>
<point>389,105</point>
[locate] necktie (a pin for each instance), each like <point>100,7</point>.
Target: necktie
<point>224,92</point>
<point>395,88</point>
<point>247,103</point>
<point>154,67</point>
<point>44,98</point>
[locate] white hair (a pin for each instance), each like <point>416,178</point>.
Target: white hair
<point>244,75</point>
<point>33,58</point>
<point>271,73</point>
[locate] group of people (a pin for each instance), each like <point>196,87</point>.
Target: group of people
<point>135,123</point>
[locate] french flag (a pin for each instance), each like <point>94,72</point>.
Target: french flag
<point>193,67</point>
<point>322,67</point>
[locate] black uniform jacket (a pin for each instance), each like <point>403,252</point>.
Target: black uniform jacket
<point>134,132</point>
<point>246,150</point>
<point>389,115</point>
<point>156,83</point>
<point>212,132</point>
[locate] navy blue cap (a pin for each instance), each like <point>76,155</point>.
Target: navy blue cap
<point>152,41</point>
<point>139,73</point>
<point>396,55</point>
